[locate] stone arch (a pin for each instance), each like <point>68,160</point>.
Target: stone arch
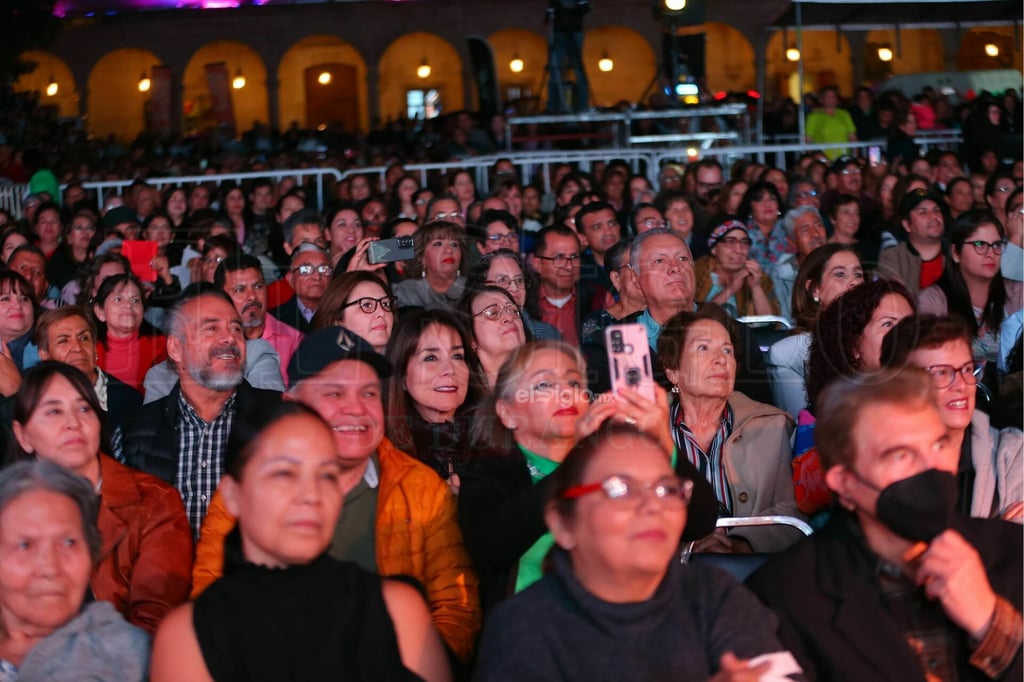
<point>250,103</point>
<point>309,52</point>
<point>971,55</point>
<point>115,106</point>
<point>826,62</point>
<point>634,64</point>
<point>730,60</point>
<point>532,49</point>
<point>396,73</point>
<point>50,66</point>
<point>920,51</point>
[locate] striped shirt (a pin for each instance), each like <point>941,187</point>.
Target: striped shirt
<point>709,463</point>
<point>201,448</point>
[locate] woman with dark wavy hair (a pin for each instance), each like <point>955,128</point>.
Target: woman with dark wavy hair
<point>971,286</point>
<point>761,208</point>
<point>848,336</point>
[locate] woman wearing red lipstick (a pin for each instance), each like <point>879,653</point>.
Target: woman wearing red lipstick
<point>740,446</point>
<point>616,604</point>
<point>986,461</point>
<point>436,270</point>
<point>17,320</point>
<point>523,430</point>
<point>145,565</point>
<point>971,285</point>
<point>128,345</point>
<point>284,609</point>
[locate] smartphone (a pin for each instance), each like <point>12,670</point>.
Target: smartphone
<point>629,358</point>
<point>874,156</point>
<point>391,250</point>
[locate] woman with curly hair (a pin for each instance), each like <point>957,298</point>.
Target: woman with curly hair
<point>761,208</point>
<point>849,332</point>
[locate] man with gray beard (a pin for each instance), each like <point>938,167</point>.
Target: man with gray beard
<point>181,438</point>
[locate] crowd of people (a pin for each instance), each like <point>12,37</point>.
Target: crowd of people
<point>248,437</point>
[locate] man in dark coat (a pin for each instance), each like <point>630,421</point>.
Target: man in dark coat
<point>896,586</point>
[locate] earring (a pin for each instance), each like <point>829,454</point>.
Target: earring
<point>675,389</point>
<point>513,427</point>
<point>458,273</point>
<point>423,274</point>
<point>816,299</point>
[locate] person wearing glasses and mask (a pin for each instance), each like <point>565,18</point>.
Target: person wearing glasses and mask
<point>309,273</point>
<point>985,460</point>
<point>616,603</point>
<point>730,277</point>
<point>436,271</point>
<point>971,286</point>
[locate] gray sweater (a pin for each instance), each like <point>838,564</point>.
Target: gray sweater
<point>556,630</point>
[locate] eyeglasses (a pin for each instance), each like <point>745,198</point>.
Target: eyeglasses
<point>850,171</point>
<point>561,260</point>
<point>309,270</point>
<point>510,237</point>
<point>982,247</point>
<point>369,305</point>
<point>494,312</point>
<point>1002,189</point>
<point>652,223</point>
<point>943,376</point>
<point>806,195</point>
<point>734,241</point>
<point>213,260</point>
<point>446,216</point>
<point>627,491</point>
<point>506,282</point>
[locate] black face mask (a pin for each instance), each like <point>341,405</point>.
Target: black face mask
<point>920,507</point>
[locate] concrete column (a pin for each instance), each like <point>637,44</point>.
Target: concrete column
<point>858,41</point>
<point>273,106</point>
<point>372,92</point>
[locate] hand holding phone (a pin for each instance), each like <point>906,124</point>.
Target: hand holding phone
<point>391,250</point>
<point>629,359</point>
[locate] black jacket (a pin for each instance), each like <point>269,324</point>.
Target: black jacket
<point>123,402</point>
<point>289,313</point>
<point>149,441</point>
<point>501,514</point>
<point>831,609</point>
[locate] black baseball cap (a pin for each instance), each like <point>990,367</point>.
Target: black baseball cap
<point>327,346</point>
<point>913,198</point>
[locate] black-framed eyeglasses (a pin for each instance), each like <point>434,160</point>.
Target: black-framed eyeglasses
<point>369,305</point>
<point>309,270</point>
<point>506,282</point>
<point>943,376</point>
<point>982,247</point>
<point>494,312</point>
<point>561,260</point>
<point>626,490</point>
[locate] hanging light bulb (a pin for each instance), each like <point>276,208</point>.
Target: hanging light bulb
<point>423,70</point>
<point>238,82</point>
<point>516,65</point>
<point>144,83</point>
<point>991,49</point>
<point>324,78</point>
<point>605,63</point>
<point>885,53</point>
<point>792,55</point>
<point>675,5</point>
<point>52,87</point>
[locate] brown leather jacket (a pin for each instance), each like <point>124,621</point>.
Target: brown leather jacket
<point>145,565</point>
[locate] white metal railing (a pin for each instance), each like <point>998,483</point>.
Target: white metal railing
<point>644,161</point>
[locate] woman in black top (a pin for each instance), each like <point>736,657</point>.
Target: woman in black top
<point>284,610</point>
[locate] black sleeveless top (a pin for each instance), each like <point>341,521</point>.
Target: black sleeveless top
<point>324,620</point>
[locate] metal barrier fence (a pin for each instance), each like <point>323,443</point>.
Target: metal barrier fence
<point>530,165</point>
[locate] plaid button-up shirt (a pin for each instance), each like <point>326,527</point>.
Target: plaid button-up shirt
<point>201,448</point>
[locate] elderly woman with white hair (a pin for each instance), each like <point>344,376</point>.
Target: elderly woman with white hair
<point>805,231</point>
<point>49,544</point>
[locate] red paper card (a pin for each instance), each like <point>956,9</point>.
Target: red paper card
<point>140,254</point>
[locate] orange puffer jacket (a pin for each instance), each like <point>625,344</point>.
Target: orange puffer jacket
<point>145,564</point>
<point>417,536</point>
